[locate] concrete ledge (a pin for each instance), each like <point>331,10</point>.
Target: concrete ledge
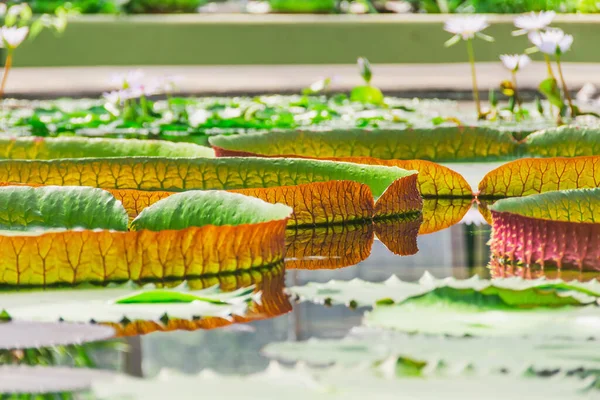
<point>448,80</point>
<point>280,39</point>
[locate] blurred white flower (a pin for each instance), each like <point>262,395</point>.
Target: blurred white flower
<point>357,7</point>
<point>199,117</point>
<point>515,62</point>
<point>532,22</point>
<point>113,97</point>
<point>122,95</point>
<point>258,7</point>
<point>165,84</point>
<point>553,41</point>
<point>400,7</point>
<point>587,92</point>
<point>466,27</point>
<point>11,37</point>
<point>18,9</point>
<point>2,9</point>
<point>129,79</point>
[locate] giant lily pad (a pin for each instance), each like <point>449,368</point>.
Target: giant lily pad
<point>321,192</point>
<point>434,180</point>
<point>16,335</point>
<point>36,380</point>
<point>435,144</point>
<point>74,147</point>
<point>172,243</point>
<point>537,175</point>
<point>114,305</point>
<point>299,383</point>
<point>565,141</point>
<point>509,307</point>
<point>437,353</point>
<point>558,229</point>
<point>268,283</point>
<point>509,292</point>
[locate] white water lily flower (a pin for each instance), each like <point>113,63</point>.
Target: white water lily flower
<point>113,97</point>
<point>467,26</point>
<point>515,62</point>
<point>553,41</point>
<point>11,37</point>
<point>122,95</point>
<point>533,22</point>
<point>129,79</point>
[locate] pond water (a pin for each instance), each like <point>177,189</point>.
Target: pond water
<point>451,241</point>
<point>459,251</point>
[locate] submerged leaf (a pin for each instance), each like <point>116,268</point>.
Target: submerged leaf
<point>537,175</point>
<point>435,144</point>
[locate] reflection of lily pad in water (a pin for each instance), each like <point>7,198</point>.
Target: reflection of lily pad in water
<point>439,214</point>
<point>341,246</point>
<point>558,229</point>
<point>328,247</point>
<point>220,309</point>
<point>268,282</point>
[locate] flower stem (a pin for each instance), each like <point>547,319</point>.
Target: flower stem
<point>471,53</point>
<point>7,66</point>
<point>549,65</point>
<point>565,88</point>
<point>516,91</point>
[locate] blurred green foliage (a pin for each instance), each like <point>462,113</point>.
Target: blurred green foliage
<point>505,6</point>
<point>318,6</point>
<point>162,6</point>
